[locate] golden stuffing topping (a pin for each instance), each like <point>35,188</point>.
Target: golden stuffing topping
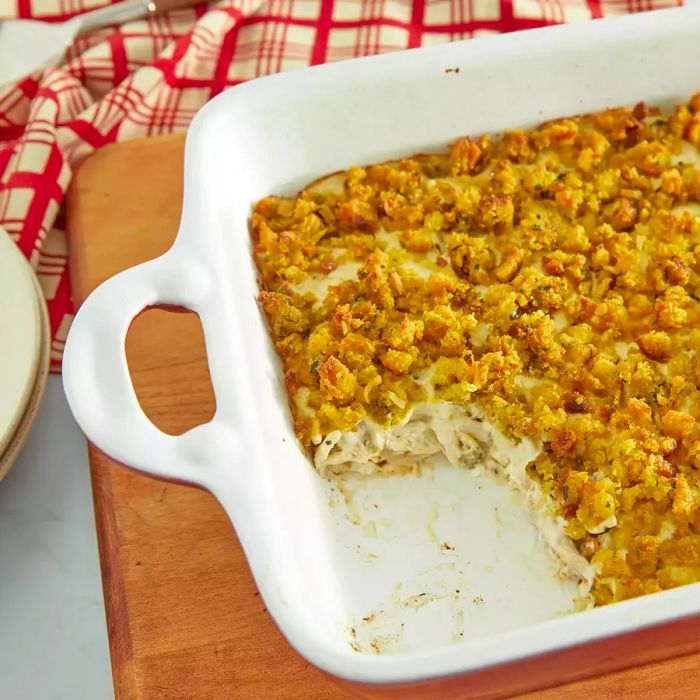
<point>551,278</point>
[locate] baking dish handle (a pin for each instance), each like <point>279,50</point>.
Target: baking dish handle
<point>99,389</point>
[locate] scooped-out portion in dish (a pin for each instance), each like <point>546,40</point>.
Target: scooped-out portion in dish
<point>528,305</point>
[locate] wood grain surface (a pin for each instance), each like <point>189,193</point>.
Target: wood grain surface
<point>184,617</point>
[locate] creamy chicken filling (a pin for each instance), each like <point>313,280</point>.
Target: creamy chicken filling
<point>467,439</point>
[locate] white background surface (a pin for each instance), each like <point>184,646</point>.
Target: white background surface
<point>53,636</point>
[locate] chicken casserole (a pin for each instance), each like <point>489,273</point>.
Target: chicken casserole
<point>526,304</point>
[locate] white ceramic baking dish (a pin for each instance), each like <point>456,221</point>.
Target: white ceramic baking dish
<point>410,586</point>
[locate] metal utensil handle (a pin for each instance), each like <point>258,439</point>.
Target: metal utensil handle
<point>126,11</point>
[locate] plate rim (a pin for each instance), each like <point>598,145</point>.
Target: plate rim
<point>9,428</point>
<point>11,450</point>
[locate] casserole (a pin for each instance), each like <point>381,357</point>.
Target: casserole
<point>298,548</point>
<point>524,304</point>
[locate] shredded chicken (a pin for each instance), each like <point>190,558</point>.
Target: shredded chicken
<point>469,440</point>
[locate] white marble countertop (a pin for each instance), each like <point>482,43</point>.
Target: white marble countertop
<point>53,635</point>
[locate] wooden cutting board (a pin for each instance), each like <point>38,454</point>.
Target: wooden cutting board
<point>184,617</point>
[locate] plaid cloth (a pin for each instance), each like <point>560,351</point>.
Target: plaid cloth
<point>151,76</point>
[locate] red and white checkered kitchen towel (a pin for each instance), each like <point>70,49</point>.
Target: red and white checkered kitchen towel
<point>150,77</point>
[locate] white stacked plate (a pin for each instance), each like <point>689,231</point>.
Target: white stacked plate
<point>24,350</point>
